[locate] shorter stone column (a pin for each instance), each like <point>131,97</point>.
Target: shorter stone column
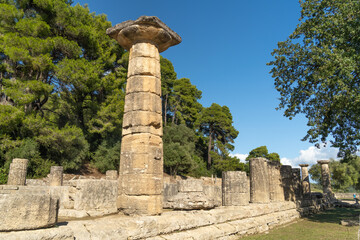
<point>56,176</point>
<point>275,183</point>
<point>297,183</point>
<point>235,188</point>
<point>259,181</point>
<point>17,172</point>
<point>305,179</point>
<point>325,176</point>
<point>287,182</point>
<point>111,175</point>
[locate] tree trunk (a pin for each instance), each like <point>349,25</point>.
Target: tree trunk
<point>209,150</point>
<point>165,106</point>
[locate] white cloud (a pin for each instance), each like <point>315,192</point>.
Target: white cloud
<point>310,156</point>
<point>240,156</point>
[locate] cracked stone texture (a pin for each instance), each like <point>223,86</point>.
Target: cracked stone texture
<point>235,188</point>
<point>305,179</point>
<point>288,182</point>
<point>27,211</point>
<point>325,176</point>
<point>276,189</point>
<point>259,181</point>
<point>17,172</point>
<point>143,29</point>
<point>56,176</point>
<point>141,160</point>
<point>219,223</point>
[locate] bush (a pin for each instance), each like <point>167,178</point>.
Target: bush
<point>107,157</point>
<point>29,149</point>
<point>3,175</point>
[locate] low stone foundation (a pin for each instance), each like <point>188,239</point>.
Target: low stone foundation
<point>220,223</point>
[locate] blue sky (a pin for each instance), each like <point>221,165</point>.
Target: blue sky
<point>225,48</point>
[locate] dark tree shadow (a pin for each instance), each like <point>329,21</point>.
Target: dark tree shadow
<point>335,215</point>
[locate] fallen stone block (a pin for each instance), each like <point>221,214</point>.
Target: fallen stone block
<point>22,211</point>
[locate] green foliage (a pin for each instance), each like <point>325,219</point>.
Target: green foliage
<point>216,123</point>
<point>62,84</point>
<point>227,163</point>
<point>179,147</point>
<point>3,175</point>
<point>344,174</point>
<point>316,72</point>
<point>107,157</point>
<point>262,151</point>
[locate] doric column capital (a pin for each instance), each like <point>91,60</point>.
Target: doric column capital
<point>323,162</point>
<point>303,165</point>
<point>144,29</point>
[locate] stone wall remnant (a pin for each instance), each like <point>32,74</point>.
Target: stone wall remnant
<point>17,172</point>
<point>235,188</point>
<point>56,176</point>
<point>191,194</point>
<point>259,181</point>
<point>141,160</point>
<point>111,175</point>
<point>276,190</point>
<point>287,182</point>
<point>297,183</point>
<point>325,176</point>
<point>26,211</point>
<point>305,180</point>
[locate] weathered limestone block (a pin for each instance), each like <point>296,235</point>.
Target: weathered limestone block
<point>141,184</point>
<point>142,102</point>
<point>190,185</point>
<point>191,194</point>
<point>111,175</point>
<point>145,38</point>
<point>305,179</point>
<point>95,194</point>
<point>144,83</point>
<point>287,182</point>
<point>297,183</point>
<point>149,204</point>
<point>141,154</point>
<point>235,188</point>
<point>144,49</point>
<point>275,182</point>
<point>259,181</point>
<point>144,66</point>
<point>21,211</point>
<point>56,176</point>
<point>325,176</point>
<point>17,172</point>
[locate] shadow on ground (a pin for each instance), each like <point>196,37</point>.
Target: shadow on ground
<point>335,215</point>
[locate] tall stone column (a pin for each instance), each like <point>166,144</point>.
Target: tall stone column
<point>17,172</point>
<point>297,183</point>
<point>56,176</point>
<point>141,161</point>
<point>276,189</point>
<point>259,181</point>
<point>287,182</point>
<point>325,176</point>
<point>305,179</point>
<point>235,188</point>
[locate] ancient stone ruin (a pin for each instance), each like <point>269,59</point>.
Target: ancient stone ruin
<point>17,172</point>
<point>226,208</point>
<point>325,176</point>
<point>141,161</point>
<point>259,181</point>
<point>305,179</point>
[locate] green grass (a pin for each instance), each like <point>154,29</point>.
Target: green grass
<point>325,225</point>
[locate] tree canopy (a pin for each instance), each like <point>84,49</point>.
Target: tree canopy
<point>317,72</point>
<point>62,90</point>
<point>262,151</point>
